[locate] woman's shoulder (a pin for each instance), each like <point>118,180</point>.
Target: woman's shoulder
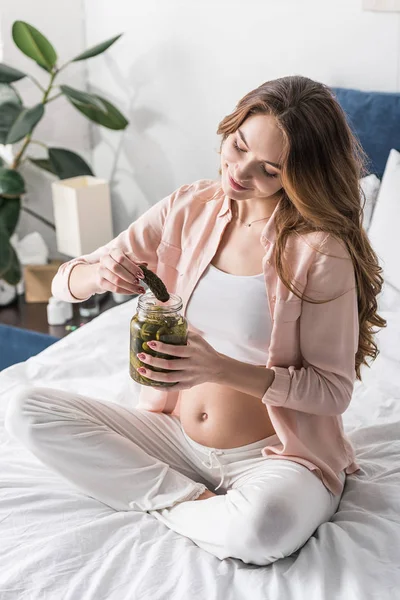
<point>330,266</point>
<point>190,198</point>
<point>201,189</point>
<point>324,242</point>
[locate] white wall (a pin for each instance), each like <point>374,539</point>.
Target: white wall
<point>62,23</point>
<point>182,65</point>
<point>179,68</point>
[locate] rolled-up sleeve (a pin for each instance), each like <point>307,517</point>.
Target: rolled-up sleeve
<point>329,337</point>
<point>141,238</point>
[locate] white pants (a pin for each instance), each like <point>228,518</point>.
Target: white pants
<point>134,459</point>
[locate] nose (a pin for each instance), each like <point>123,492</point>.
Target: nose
<point>242,173</point>
<point>240,176</point>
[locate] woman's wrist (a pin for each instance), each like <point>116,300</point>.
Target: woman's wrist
<point>244,377</point>
<point>82,281</point>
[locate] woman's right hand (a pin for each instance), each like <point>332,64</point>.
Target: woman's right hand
<point>117,272</point>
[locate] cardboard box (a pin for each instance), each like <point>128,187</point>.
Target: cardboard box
<point>37,279</point>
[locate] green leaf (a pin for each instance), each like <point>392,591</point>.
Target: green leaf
<point>110,118</point>
<point>33,43</point>
<point>10,107</point>
<point>68,164</point>
<point>96,49</point>
<point>82,98</point>
<point>43,163</point>
<point>9,214</point>
<point>11,183</point>
<point>9,74</point>
<point>25,122</point>
<point>10,269</point>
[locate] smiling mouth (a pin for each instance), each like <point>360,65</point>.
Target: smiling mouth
<point>235,184</point>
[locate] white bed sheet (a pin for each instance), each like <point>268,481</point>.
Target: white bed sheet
<point>58,543</point>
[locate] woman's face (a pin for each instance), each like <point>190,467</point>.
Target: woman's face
<point>244,155</point>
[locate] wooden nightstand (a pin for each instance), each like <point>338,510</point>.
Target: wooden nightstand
<point>33,316</point>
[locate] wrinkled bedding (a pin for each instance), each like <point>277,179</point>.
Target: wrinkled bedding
<point>56,543</point>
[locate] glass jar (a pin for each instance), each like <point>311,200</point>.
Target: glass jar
<point>159,321</point>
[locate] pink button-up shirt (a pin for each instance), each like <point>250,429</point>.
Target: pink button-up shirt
<point>312,347</point>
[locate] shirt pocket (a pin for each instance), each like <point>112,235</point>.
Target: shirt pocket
<point>287,312</point>
<point>170,255</point>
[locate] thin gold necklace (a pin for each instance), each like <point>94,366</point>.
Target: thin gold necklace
<point>250,224</point>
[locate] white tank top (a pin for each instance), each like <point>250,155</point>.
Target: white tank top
<point>231,313</point>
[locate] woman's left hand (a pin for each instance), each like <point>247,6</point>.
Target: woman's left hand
<point>199,363</point>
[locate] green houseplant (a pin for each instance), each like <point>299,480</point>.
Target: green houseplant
<point>17,124</point>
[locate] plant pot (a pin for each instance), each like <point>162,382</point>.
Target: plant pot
<point>8,293</point>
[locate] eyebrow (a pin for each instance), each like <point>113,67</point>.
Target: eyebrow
<point>266,161</point>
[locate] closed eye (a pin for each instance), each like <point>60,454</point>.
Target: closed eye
<point>262,166</point>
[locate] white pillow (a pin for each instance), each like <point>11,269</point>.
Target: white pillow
<point>370,186</point>
<point>384,231</point>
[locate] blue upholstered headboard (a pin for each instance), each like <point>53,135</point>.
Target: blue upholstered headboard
<point>375,118</point>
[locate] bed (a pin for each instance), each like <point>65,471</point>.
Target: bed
<point>57,543</point>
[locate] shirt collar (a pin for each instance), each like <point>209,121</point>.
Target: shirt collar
<point>268,233</point>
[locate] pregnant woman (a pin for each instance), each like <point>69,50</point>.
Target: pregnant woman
<point>246,453</point>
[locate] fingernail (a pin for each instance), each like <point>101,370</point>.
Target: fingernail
<point>140,275</point>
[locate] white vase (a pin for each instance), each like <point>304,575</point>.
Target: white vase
<point>82,214</point>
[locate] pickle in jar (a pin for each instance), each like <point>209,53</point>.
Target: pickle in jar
<point>160,326</point>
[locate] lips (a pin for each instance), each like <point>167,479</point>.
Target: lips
<point>235,184</point>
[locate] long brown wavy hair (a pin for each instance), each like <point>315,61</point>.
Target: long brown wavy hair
<point>322,164</point>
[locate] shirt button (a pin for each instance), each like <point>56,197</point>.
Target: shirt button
<point>268,262</point>
<point>273,298</point>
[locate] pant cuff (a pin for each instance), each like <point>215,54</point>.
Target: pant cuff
<point>201,488</point>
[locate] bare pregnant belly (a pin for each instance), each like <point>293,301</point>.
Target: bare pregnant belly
<point>221,417</point>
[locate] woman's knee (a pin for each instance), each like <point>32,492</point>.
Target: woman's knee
<point>263,535</point>
<point>20,414</point>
